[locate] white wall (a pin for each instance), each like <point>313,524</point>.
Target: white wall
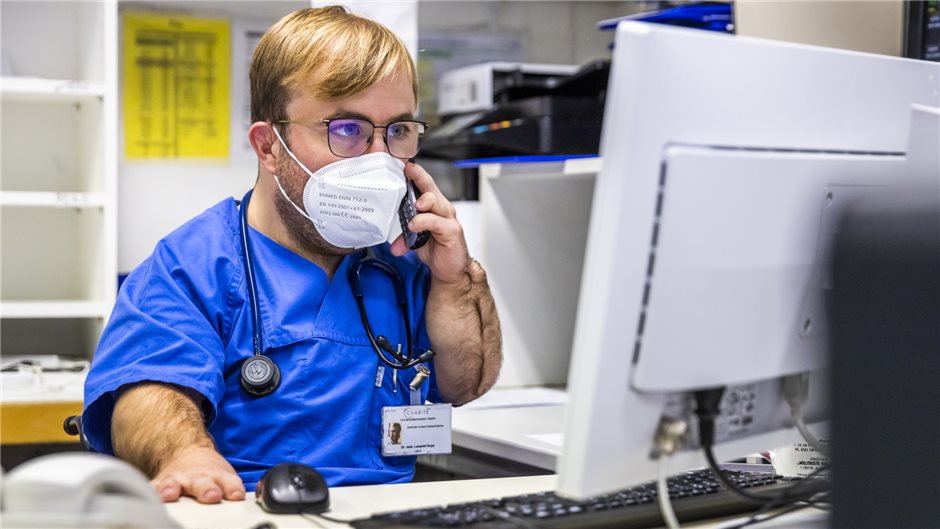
<point>156,198</point>
<point>874,26</point>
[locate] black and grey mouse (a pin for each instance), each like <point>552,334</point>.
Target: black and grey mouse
<point>291,488</point>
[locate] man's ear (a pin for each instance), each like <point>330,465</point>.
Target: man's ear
<point>262,139</point>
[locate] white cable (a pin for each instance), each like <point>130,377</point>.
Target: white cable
<point>808,435</point>
<point>796,393</point>
<point>662,490</point>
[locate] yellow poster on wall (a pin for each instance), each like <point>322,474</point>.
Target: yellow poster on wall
<point>176,86</point>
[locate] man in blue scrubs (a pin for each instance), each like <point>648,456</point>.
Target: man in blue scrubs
<point>333,101</point>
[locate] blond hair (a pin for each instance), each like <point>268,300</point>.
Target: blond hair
<point>351,54</point>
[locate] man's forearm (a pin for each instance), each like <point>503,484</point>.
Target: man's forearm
<point>152,422</point>
<point>464,330</point>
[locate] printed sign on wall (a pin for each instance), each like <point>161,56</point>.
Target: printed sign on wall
<point>176,86</point>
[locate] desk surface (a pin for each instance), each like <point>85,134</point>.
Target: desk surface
<point>347,503</point>
<point>530,435</point>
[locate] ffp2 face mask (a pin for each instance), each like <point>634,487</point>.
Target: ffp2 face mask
<point>353,202</point>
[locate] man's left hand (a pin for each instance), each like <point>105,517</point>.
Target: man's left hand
<point>446,251</point>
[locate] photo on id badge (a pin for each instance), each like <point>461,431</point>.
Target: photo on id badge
<point>394,433</point>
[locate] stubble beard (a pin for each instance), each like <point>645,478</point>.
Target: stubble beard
<point>301,231</point>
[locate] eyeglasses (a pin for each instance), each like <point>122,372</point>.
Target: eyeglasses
<point>349,137</point>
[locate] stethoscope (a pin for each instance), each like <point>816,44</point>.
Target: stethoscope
<point>260,376</point>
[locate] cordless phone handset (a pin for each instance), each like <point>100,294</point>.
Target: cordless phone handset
<point>406,212</point>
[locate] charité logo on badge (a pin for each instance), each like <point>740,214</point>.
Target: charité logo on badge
<point>417,413</point>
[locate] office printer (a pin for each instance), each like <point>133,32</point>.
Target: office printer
<point>513,109</point>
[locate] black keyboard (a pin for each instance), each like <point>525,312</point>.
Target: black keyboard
<point>696,495</point>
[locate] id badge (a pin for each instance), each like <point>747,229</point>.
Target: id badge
<point>415,430</point>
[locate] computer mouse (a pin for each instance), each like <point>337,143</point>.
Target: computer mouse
<point>291,488</point>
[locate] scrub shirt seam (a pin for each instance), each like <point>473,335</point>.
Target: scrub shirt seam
<point>233,312</point>
<point>345,339</point>
<point>145,281</point>
<point>238,279</point>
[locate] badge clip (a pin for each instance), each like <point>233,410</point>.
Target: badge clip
<point>422,374</point>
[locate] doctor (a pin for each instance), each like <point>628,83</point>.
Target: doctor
<point>271,279</point>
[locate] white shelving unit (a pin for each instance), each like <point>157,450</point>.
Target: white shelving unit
<point>535,220</point>
<point>58,175</point>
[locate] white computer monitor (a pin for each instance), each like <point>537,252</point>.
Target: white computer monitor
<point>725,163</point>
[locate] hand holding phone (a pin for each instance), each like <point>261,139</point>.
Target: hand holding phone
<point>406,212</point>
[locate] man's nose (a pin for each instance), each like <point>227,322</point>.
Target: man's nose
<point>377,143</point>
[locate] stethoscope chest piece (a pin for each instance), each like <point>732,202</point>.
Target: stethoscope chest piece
<point>260,375</point>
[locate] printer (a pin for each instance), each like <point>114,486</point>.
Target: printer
<point>472,88</point>
<point>500,109</point>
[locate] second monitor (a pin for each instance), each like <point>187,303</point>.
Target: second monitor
<point>725,163</point>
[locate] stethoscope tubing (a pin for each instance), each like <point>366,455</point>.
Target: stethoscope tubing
<point>407,361</point>
<point>256,330</point>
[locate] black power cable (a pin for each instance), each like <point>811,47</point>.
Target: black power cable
<point>707,407</point>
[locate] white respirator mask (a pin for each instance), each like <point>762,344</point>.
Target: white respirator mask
<point>353,202</point>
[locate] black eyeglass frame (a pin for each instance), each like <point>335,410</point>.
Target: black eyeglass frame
<point>327,121</point>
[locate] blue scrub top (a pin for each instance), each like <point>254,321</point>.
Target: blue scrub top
<point>183,317</point>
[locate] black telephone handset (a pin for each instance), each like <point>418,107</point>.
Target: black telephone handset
<point>406,212</point>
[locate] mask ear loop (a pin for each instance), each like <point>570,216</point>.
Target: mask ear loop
<point>278,182</point>
<point>291,202</point>
<point>289,152</point>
